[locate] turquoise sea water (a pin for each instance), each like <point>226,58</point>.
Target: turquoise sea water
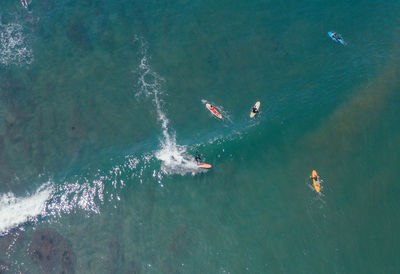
<point>102,111</point>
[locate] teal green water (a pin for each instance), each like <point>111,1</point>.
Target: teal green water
<point>102,105</point>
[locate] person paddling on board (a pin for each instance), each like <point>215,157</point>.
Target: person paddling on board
<point>336,36</point>
<point>255,110</point>
<point>197,158</point>
<point>315,177</point>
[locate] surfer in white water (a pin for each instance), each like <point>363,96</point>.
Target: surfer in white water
<point>197,158</point>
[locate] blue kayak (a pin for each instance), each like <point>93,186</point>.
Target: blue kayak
<point>338,38</point>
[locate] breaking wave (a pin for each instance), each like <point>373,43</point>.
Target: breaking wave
<point>17,210</point>
<point>89,192</point>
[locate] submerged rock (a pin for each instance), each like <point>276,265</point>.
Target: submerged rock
<point>52,252</point>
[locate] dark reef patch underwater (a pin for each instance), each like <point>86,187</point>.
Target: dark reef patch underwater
<point>52,252</point>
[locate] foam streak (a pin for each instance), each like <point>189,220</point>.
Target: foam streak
<point>174,157</point>
<point>17,210</point>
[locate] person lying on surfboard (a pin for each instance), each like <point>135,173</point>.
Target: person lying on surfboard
<point>214,110</point>
<point>337,36</point>
<point>255,110</point>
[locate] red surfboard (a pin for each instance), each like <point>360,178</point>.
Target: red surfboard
<point>214,111</point>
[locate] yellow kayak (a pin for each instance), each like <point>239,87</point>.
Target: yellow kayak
<point>315,179</point>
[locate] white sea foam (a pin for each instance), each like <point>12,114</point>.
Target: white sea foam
<point>17,210</point>
<point>89,193</point>
<point>174,157</point>
<point>74,195</point>
<point>13,47</point>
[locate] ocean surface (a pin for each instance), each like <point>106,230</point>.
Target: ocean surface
<point>102,110</point>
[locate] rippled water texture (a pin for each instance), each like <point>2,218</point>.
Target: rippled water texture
<point>102,109</point>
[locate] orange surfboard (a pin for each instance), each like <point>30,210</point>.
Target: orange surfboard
<point>203,165</point>
<point>316,183</point>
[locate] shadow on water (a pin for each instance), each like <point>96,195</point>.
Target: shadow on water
<point>16,144</point>
<point>77,33</point>
<point>347,126</point>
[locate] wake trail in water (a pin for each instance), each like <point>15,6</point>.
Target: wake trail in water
<point>174,157</point>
